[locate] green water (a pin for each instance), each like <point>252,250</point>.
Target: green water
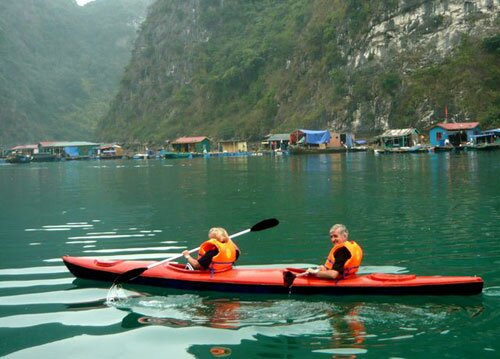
<point>425,214</point>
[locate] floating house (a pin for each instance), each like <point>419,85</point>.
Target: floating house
<point>455,134</point>
<point>71,150</point>
<point>233,146</point>
<point>311,138</point>
<point>200,144</point>
<point>25,149</point>
<point>396,138</point>
<point>310,141</point>
<point>485,140</point>
<point>341,140</point>
<point>278,141</point>
<point>110,151</point>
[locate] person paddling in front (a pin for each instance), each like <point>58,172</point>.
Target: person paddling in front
<point>217,254</point>
<point>344,258</point>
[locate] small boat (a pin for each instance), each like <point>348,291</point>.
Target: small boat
<point>45,157</point>
<point>18,158</point>
<point>418,149</point>
<point>358,149</point>
<point>166,154</point>
<point>443,148</point>
<point>141,156</point>
<point>271,280</point>
<point>482,147</point>
<point>306,150</point>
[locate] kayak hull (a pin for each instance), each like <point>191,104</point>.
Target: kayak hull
<point>270,280</point>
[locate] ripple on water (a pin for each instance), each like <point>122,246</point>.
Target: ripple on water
<point>492,291</point>
<point>35,283</point>
<point>342,351</point>
<point>34,270</point>
<point>184,307</point>
<point>195,310</point>
<point>56,297</point>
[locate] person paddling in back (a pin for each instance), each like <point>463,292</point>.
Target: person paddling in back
<point>344,258</point>
<point>217,254</point>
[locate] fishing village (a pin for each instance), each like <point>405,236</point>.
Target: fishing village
<point>443,137</point>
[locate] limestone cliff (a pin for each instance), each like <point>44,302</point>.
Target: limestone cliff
<point>238,68</point>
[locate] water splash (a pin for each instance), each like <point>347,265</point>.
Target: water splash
<point>115,294</point>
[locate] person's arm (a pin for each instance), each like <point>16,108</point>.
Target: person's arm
<point>341,257</point>
<point>204,262</point>
<point>194,262</point>
<point>206,259</point>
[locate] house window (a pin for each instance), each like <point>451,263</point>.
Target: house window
<point>438,136</point>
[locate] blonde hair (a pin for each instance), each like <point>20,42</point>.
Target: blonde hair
<point>218,233</point>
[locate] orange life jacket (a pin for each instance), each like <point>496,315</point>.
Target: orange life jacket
<point>351,266</point>
<point>226,257</point>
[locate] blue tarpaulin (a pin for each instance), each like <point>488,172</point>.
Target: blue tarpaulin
<point>72,151</point>
<point>316,137</point>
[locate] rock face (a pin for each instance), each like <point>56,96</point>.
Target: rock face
<point>234,68</point>
<point>435,26</point>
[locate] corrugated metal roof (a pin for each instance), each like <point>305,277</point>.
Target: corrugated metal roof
<point>279,137</point>
<point>25,147</point>
<point>67,143</point>
<point>110,146</point>
<point>232,141</point>
<point>398,132</point>
<point>181,140</point>
<point>458,126</point>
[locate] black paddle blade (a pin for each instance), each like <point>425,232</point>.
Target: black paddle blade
<point>265,224</point>
<point>288,278</point>
<point>129,275</point>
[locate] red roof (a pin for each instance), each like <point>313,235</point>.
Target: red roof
<point>25,147</point>
<point>189,139</point>
<point>458,126</point>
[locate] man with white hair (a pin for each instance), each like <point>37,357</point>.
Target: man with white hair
<point>344,258</point>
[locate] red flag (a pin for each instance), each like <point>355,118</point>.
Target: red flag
<point>446,113</point>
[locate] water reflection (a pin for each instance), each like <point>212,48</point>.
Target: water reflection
<point>266,326</point>
<point>339,328</point>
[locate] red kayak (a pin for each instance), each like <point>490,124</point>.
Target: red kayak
<point>271,280</point>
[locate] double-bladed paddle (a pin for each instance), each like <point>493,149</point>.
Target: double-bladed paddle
<point>134,273</point>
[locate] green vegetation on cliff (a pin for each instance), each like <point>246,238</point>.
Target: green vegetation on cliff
<point>60,65</point>
<point>239,68</point>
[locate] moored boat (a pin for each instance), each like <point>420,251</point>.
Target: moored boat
<point>18,158</point>
<point>166,154</point>
<point>45,157</point>
<point>482,147</point>
<point>271,280</point>
<point>299,149</point>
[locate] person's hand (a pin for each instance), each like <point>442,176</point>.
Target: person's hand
<point>312,270</point>
<point>186,254</point>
